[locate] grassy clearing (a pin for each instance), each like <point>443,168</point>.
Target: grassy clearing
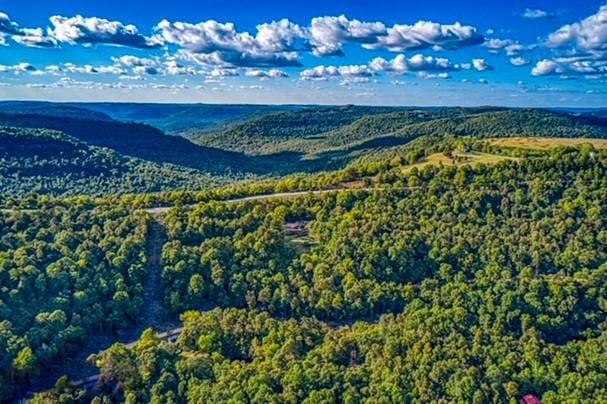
<point>546,143</point>
<point>458,159</point>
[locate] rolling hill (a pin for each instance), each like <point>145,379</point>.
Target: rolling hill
<point>268,144</point>
<point>44,161</point>
<point>137,140</point>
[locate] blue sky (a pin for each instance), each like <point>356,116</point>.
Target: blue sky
<point>515,53</point>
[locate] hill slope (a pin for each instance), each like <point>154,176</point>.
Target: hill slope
<point>136,140</point>
<point>49,162</point>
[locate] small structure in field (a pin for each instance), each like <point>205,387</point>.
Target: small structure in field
<point>297,227</point>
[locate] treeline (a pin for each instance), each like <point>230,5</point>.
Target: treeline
<point>66,273</point>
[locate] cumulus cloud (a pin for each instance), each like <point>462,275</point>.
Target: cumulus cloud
<point>580,49</point>
<point>134,61</point>
<point>214,43</point>
<point>272,73</point>
<point>173,68</point>
<point>427,34</point>
<point>218,73</point>
<point>570,66</point>
<point>589,34</point>
<point>481,65</point>
<point>323,72</point>
<point>512,48</point>
<point>279,43</point>
<point>519,61</point>
<point>536,14</point>
<point>546,67</point>
<point>19,68</point>
<point>235,59</point>
<point>328,34</point>
<point>34,37</point>
<point>497,43</point>
<point>429,66</point>
<point>94,30</point>
<point>8,26</point>
<point>84,69</point>
<point>400,64</point>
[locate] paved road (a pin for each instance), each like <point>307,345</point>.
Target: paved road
<point>282,195</point>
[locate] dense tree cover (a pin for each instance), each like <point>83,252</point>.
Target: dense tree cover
<point>47,162</point>
<point>136,140</point>
<point>495,276</point>
<point>273,145</point>
<point>263,135</point>
<point>287,133</point>
<point>65,273</point>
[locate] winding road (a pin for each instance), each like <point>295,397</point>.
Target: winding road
<point>278,195</point>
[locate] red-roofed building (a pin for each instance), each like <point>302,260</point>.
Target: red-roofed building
<point>530,399</point>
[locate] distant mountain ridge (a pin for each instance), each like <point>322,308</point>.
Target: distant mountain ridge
<point>272,142</point>
<point>135,140</point>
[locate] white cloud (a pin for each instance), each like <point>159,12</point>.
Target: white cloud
<point>589,34</point>
<point>272,73</point>
<point>512,48</point>
<point>519,61</point>
<point>223,73</point>
<point>173,68</point>
<point>34,37</point>
<point>571,66</point>
<point>429,76</point>
<point>214,43</point>
<point>328,34</point>
<point>7,25</point>
<point>323,72</point>
<point>94,30</point>
<point>400,64</point>
<point>481,65</point>
<point>280,43</point>
<point>536,14</point>
<point>348,81</point>
<point>427,34</point>
<point>19,68</point>
<point>546,67</point>
<point>133,61</point>
<point>497,43</point>
<point>84,69</point>
<point>429,66</point>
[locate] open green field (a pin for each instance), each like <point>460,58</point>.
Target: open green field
<point>458,159</point>
<point>545,143</point>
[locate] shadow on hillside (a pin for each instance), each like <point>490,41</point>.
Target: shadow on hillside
<point>284,163</point>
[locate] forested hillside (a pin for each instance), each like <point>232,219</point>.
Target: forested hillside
<point>433,261</point>
<point>465,284</point>
<point>358,128</point>
<point>42,161</point>
<point>136,140</point>
<point>65,274</point>
<point>251,143</point>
